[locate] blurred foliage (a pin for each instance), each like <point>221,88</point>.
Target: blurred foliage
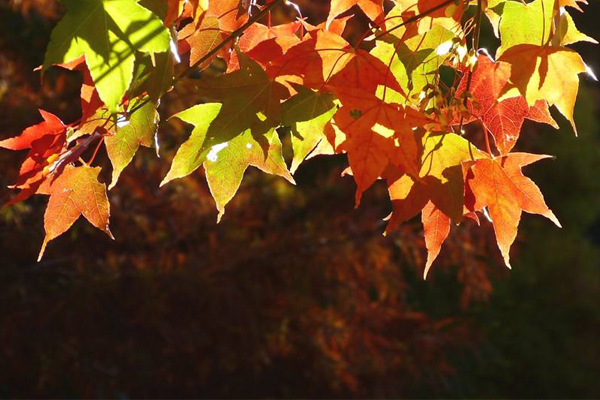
<point>294,293</point>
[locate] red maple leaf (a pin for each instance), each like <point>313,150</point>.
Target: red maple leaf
<point>46,141</point>
<point>500,186</point>
<point>503,119</point>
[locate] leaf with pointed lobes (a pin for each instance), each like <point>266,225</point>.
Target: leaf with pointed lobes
<point>139,130</point>
<point>108,33</point>
<point>251,100</point>
<point>542,68</point>
<point>500,186</point>
<point>46,141</point>
<point>307,113</point>
<point>226,163</point>
<point>284,37</point>
<point>504,118</point>
<point>372,128</point>
<point>546,73</point>
<point>372,9</point>
<point>74,193</point>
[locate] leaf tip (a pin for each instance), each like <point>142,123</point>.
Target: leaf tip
<point>42,250</point>
<point>590,72</point>
<point>427,268</point>
<point>166,180</point>
<point>553,218</point>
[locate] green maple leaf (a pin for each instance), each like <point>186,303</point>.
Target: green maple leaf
<point>251,100</point>
<point>140,129</point>
<point>108,33</point>
<point>225,161</point>
<point>307,113</point>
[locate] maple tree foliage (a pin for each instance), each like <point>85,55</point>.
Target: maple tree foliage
<point>396,102</point>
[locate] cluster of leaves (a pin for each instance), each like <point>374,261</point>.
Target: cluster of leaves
<point>395,103</point>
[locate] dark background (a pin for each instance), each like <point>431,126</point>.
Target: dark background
<point>294,293</point>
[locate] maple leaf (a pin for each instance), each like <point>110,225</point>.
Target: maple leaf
<point>372,8</point>
<point>541,71</point>
<point>250,100</point>
<point>537,16</point>
<point>108,33</point>
<point>139,130</point>
<point>224,162</point>
<point>307,113</point>
<point>502,118</point>
<point>74,193</point>
<point>46,141</point>
<point>500,186</point>
<point>227,162</point>
<point>546,73</point>
<point>437,190</point>
<point>370,126</point>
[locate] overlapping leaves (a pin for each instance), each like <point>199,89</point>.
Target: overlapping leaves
<point>397,111</point>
